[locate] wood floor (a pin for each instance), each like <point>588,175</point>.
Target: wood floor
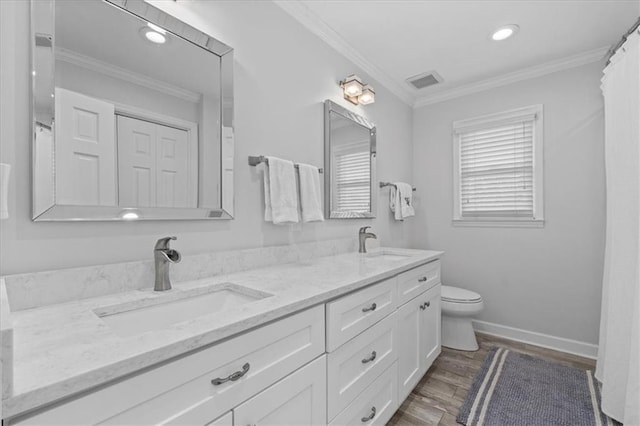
<point>441,392</point>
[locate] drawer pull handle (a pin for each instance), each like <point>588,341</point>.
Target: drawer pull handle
<point>371,358</point>
<point>233,376</point>
<point>423,279</point>
<point>370,416</point>
<point>370,308</point>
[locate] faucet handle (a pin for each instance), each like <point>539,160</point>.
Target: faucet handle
<point>363,229</point>
<point>163,243</point>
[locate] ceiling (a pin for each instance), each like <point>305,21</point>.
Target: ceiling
<point>395,40</point>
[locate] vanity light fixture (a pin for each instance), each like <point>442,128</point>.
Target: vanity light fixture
<point>357,92</point>
<point>154,33</point>
<point>504,32</point>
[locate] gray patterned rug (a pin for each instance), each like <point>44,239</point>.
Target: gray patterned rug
<point>514,389</point>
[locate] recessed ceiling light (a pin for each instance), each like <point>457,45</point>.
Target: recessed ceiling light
<point>504,32</point>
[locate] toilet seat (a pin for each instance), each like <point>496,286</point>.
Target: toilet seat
<point>459,295</point>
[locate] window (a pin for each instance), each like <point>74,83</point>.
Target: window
<point>352,177</point>
<point>498,169</point>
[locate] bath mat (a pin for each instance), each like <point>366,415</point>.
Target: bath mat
<point>514,389</point>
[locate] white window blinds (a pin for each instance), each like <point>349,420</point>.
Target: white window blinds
<point>497,167</point>
<point>352,179</point>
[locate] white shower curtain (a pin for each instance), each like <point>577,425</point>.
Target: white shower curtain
<point>618,366</point>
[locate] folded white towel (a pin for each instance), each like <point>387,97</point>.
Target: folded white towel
<point>310,193</point>
<point>401,200</point>
<point>406,199</point>
<point>280,194</point>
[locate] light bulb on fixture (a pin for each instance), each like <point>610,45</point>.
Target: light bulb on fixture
<point>352,86</point>
<point>129,215</point>
<point>368,95</point>
<point>504,32</point>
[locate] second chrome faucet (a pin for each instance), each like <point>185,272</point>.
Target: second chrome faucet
<point>163,256</point>
<point>362,238</point>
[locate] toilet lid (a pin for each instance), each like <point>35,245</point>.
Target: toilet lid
<point>459,295</point>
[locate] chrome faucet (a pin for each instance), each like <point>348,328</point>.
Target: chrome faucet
<point>362,237</point>
<point>163,256</point>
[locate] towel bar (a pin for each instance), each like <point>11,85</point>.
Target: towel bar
<point>255,160</point>
<point>383,184</point>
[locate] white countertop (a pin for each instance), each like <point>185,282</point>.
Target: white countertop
<point>64,349</point>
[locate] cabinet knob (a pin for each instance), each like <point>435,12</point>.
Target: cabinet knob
<point>423,307</point>
<point>370,308</point>
<point>423,279</point>
<point>370,416</point>
<point>371,358</point>
<point>427,304</point>
<point>232,377</point>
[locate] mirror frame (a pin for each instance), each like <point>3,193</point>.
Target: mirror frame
<point>149,13</point>
<point>329,107</point>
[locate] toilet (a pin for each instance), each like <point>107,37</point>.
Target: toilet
<point>458,308</point>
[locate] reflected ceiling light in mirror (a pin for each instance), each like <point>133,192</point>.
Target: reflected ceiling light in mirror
<point>357,92</point>
<point>129,215</point>
<point>154,33</point>
<point>504,32</point>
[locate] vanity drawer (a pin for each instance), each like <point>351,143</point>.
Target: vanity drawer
<point>182,392</point>
<point>356,364</point>
<point>352,314</point>
<point>380,396</point>
<point>417,280</point>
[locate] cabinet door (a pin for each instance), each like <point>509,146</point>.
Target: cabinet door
<point>430,335</point>
<point>410,330</point>
<point>297,400</point>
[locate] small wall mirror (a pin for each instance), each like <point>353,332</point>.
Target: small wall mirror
<point>350,164</point>
<point>132,114</point>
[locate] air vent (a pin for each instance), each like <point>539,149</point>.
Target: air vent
<point>424,80</point>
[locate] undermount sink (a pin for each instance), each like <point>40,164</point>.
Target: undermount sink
<point>165,310</point>
<point>387,254</point>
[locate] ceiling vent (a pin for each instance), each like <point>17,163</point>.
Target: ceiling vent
<point>424,80</point>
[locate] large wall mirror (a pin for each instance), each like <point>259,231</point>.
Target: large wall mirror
<point>350,164</point>
<point>132,114</point>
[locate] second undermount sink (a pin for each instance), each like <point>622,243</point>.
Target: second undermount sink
<point>388,254</point>
<point>165,310</point>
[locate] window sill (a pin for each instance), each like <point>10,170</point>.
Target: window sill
<point>499,223</point>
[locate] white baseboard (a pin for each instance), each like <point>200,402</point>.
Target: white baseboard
<point>587,350</point>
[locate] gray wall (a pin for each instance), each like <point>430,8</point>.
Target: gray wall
<point>283,73</point>
<point>545,280</point>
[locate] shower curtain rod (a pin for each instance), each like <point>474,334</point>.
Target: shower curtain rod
<point>613,50</point>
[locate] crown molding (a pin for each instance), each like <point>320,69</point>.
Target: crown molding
<point>114,71</point>
<point>320,28</point>
<point>573,61</point>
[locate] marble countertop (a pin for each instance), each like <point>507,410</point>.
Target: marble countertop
<point>64,349</point>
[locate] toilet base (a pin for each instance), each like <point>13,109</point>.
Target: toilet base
<point>457,333</point>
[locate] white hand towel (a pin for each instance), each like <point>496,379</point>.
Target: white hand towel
<point>395,203</point>
<point>281,197</point>
<point>406,199</point>
<point>310,193</point>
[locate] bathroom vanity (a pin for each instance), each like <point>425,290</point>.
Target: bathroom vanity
<point>338,339</point>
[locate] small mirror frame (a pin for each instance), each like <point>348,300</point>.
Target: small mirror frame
<point>330,106</point>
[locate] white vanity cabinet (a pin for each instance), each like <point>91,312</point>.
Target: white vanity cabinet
<point>198,388</point>
<point>352,360</point>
